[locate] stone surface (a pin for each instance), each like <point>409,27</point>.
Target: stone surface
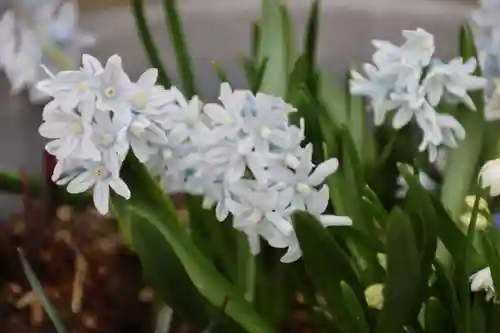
<point>219,30</point>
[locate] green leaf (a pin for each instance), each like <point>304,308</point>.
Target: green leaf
<point>478,314</point>
<point>173,22</point>
<point>375,208</point>
<point>40,294</point>
<point>463,269</point>
<point>289,33</point>
<point>317,244</point>
<point>357,121</point>
<point>334,99</point>
<point>453,239</point>
<point>273,46</point>
<point>221,73</point>
<point>446,288</point>
<point>437,319</point>
<point>164,272</point>
<point>403,274</point>
<point>213,238</point>
<point>245,268</point>
<point>148,43</point>
<point>312,36</point>
<point>149,202</point>
<point>255,40</point>
<point>419,206</point>
<point>463,161</point>
<point>356,314</point>
<point>492,256</point>
<point>10,182</point>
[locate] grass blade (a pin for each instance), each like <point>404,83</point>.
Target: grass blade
<point>40,294</point>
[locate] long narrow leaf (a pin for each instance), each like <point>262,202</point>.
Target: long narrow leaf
<point>40,294</point>
<point>273,46</point>
<point>149,202</point>
<point>148,43</point>
<point>173,21</point>
<point>463,161</point>
<point>403,274</point>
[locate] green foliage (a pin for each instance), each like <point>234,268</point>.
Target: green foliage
<point>429,258</point>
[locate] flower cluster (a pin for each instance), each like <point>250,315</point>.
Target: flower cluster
<point>486,23</point>
<point>241,154</point>
<point>406,79</point>
<point>30,33</point>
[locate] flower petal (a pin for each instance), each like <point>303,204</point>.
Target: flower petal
<point>322,171</point>
<point>119,186</point>
<point>334,220</point>
<point>317,201</point>
<point>81,183</point>
<point>101,197</point>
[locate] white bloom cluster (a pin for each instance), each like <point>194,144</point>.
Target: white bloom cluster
<point>28,30</point>
<point>406,79</point>
<point>242,155</point>
<point>486,23</point>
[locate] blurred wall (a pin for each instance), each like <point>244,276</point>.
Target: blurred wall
<point>219,30</point>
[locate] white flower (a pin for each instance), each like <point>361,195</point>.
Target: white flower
<point>148,98</point>
<point>23,69</point>
<point>110,137</point>
<point>228,116</point>
<point>416,51</point>
<point>305,181</point>
<point>71,130</point>
<point>489,176</point>
<point>265,121</point>
<point>411,104</point>
<point>114,88</point>
<point>482,281</point>
<point>95,174</point>
<point>185,120</point>
<point>72,87</point>
<point>243,156</point>
<point>142,133</point>
<point>455,78</point>
<point>450,131</point>
<point>63,26</point>
<point>377,86</point>
<point>419,47</point>
<point>32,34</point>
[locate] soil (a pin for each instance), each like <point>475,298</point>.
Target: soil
<point>87,272</point>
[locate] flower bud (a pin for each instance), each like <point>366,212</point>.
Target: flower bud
<point>374,296</point>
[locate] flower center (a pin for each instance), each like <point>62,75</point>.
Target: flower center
<point>304,189</point>
<point>254,218</point>
<point>192,118</point>
<point>100,172</point>
<point>137,129</point>
<point>265,132</point>
<point>106,139</point>
<point>167,154</point>
<point>81,86</point>
<point>75,128</point>
<point>208,202</point>
<point>110,92</point>
<point>140,100</point>
<point>292,162</point>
